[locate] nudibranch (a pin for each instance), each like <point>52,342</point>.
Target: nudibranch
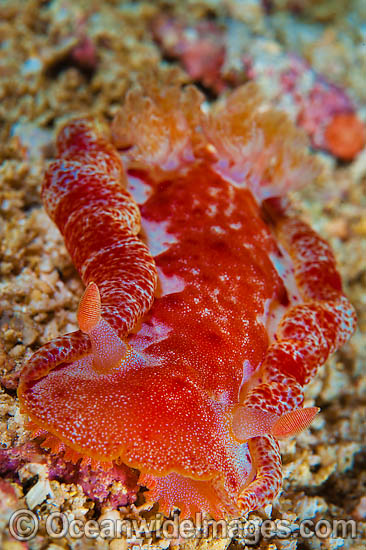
<point>208,305</point>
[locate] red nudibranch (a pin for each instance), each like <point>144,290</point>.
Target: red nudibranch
<point>209,303</point>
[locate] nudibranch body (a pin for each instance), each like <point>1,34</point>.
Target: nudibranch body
<point>209,304</point>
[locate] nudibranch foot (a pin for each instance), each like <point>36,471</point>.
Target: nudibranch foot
<point>190,496</point>
<point>55,447</point>
<point>67,348</point>
<point>267,467</point>
<point>308,332</point>
<point>85,194</point>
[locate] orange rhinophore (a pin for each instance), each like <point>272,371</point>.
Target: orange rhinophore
<point>249,422</point>
<point>89,309</point>
<point>108,349</point>
<point>208,306</point>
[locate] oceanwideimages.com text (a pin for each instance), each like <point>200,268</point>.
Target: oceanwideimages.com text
<point>24,525</point>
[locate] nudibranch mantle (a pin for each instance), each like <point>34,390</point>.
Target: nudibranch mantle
<point>209,303</point>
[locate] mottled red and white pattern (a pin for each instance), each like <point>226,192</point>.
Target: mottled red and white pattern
<point>213,315</point>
